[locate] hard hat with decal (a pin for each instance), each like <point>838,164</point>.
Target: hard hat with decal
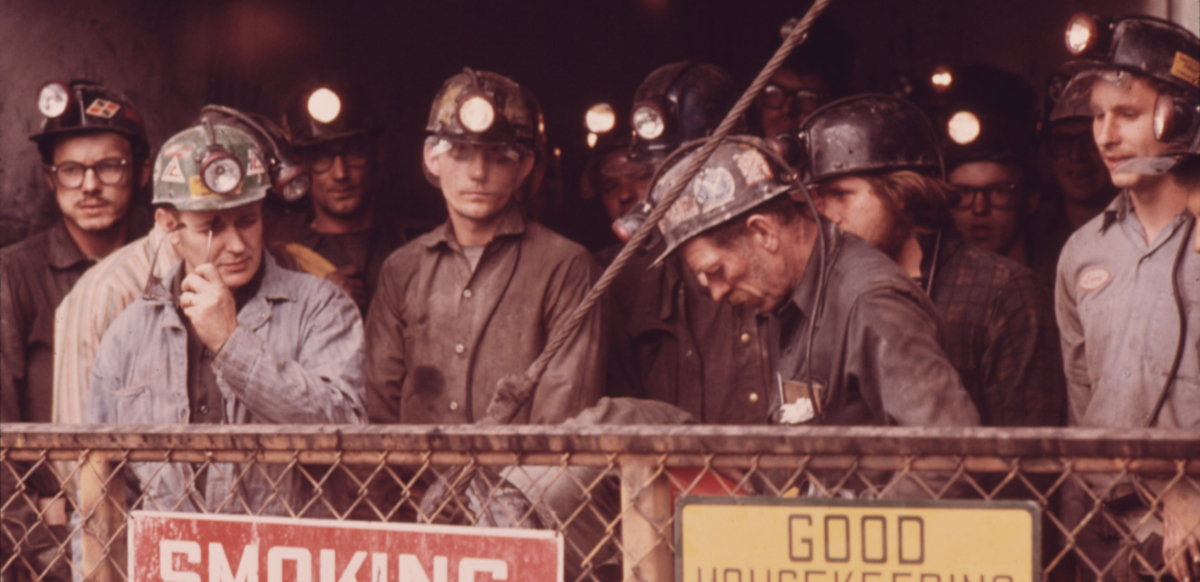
<point>484,107</point>
<point>867,133</point>
<point>214,165</point>
<point>1115,51</point>
<point>678,103</point>
<point>81,107</point>
<point>743,172</point>
<point>323,111</point>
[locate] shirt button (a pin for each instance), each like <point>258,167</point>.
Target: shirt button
<point>453,405</point>
<point>753,397</point>
<point>467,293</point>
<point>1125,373</point>
<point>458,349</point>
<point>745,337</point>
<point>203,409</point>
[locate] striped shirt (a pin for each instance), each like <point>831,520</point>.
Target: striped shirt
<point>91,306</point>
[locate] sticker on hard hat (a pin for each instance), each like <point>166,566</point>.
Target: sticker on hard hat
<point>753,166</point>
<point>1186,68</point>
<point>177,150</point>
<point>714,188</point>
<point>199,190</point>
<point>173,172</point>
<point>256,166</point>
<point>103,108</point>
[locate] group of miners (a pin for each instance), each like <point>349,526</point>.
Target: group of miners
<point>840,260</point>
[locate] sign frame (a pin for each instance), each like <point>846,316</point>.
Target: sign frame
<point>1034,510</point>
<point>342,525</point>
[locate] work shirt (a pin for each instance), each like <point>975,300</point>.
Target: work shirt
<point>673,343</point>
<point>876,358</point>
<point>999,332</point>
<point>91,306</point>
<point>1119,322</point>
<point>35,275</point>
<point>365,250</point>
<point>441,335</point>
<point>294,358</point>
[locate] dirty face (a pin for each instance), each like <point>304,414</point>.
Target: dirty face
<point>621,183</point>
<point>993,204</point>
<point>742,273</point>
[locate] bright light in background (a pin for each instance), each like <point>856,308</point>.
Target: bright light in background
<point>600,118</point>
<point>963,127</point>
<point>941,79</point>
<point>324,105</point>
<point>592,137</point>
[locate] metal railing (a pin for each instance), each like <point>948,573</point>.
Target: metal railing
<point>609,490</point>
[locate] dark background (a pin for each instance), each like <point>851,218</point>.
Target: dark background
<point>172,57</point>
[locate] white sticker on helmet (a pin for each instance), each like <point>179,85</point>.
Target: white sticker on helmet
<point>714,188</point>
<point>753,166</point>
<point>256,165</point>
<point>173,172</point>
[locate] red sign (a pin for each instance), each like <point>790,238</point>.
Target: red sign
<point>184,547</point>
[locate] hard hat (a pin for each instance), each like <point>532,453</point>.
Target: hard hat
<point>85,107</point>
<point>326,111</point>
<point>742,173</point>
<point>483,107</point>
<point>678,103</point>
<point>867,133</point>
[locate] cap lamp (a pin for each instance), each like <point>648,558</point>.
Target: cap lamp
<point>1082,31</point>
<point>941,79</point>
<point>220,170</point>
<point>600,118</point>
<point>963,127</point>
<point>477,114</point>
<point>648,122</point>
<point>53,99</point>
<point>324,105</point>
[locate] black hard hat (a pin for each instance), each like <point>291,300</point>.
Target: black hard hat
<point>483,107</point>
<point>325,111</point>
<point>678,103</point>
<point>85,107</point>
<point>989,114</point>
<point>1114,51</point>
<point>867,133</point>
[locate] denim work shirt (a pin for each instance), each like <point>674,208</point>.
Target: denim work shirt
<point>1120,324</point>
<point>295,358</point>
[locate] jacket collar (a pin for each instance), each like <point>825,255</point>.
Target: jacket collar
<point>512,223</point>
<point>806,288</point>
<point>1117,210</point>
<point>64,253</point>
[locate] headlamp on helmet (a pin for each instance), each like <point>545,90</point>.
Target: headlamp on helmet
<point>476,113</point>
<point>600,118</point>
<point>53,99</point>
<point>963,127</point>
<point>941,79</point>
<point>1084,33</point>
<point>648,122</point>
<point>220,170</point>
<point>324,105</point>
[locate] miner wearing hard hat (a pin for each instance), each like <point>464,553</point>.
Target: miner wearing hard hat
<point>227,337</point>
<point>1128,283</point>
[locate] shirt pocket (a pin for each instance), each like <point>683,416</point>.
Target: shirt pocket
<point>135,404</point>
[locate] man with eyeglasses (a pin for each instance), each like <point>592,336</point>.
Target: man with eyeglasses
<point>343,237</point>
<point>814,74</point>
<point>95,155</point>
<point>879,178</point>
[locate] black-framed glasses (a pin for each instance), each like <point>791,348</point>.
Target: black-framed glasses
<point>1064,144</point>
<point>1001,195</point>
<point>355,155</point>
<point>109,171</point>
<point>805,100</point>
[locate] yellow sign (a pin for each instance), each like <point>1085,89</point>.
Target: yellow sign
<point>1186,68</point>
<point>725,539</point>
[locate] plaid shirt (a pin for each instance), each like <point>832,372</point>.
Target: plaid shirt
<point>998,330</point>
<point>295,358</point>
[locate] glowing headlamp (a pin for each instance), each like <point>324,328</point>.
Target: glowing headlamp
<point>600,118</point>
<point>648,122</point>
<point>220,170</point>
<point>477,114</point>
<point>941,79</point>
<point>53,99</point>
<point>963,127</point>
<point>1082,31</point>
<point>324,105</point>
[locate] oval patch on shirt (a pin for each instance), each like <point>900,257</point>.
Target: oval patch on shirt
<point>1093,279</point>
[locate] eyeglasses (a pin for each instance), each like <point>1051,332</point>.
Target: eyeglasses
<point>109,171</point>
<point>1064,144</point>
<point>354,155</point>
<point>806,100</point>
<point>1001,195</point>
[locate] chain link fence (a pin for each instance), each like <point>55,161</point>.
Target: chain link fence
<point>68,490</point>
